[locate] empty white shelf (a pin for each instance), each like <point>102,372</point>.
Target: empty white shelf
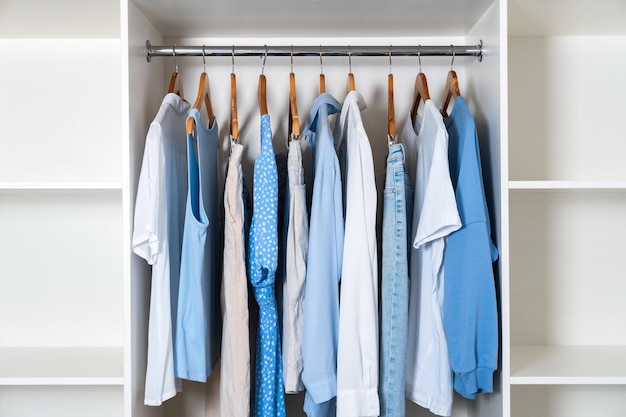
<point>61,366</point>
<point>59,186</point>
<point>557,365</point>
<point>567,185</point>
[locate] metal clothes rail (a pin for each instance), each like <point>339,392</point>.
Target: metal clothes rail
<point>314,50</point>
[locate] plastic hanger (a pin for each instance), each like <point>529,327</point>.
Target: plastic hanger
<point>262,93</point>
<point>452,87</point>
<point>234,121</point>
<point>351,86</point>
<point>421,89</point>
<point>294,121</point>
<point>391,114</point>
<point>176,86</point>
<point>322,78</point>
<point>204,96</point>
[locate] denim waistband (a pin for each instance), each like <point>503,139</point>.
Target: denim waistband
<point>396,153</point>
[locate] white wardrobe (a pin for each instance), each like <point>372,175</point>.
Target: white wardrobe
<point>79,94</point>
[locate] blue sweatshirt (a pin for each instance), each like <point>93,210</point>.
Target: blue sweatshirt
<point>470,314</point>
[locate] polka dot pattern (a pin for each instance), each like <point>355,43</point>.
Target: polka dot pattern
<point>263,260</point>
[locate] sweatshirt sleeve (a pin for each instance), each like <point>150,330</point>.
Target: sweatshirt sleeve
<point>470,310</point>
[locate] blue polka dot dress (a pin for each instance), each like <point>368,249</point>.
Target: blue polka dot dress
<point>263,258</point>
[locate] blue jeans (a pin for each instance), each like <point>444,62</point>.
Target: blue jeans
<point>397,213</point>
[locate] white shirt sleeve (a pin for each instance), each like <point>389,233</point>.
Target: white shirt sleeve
<point>146,231</point>
<point>440,217</point>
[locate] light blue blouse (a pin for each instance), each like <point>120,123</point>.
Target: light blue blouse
<point>321,310</point>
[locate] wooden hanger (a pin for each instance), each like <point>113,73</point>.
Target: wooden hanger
<point>452,87</point>
<point>294,121</point>
<point>262,95</point>
<point>263,89</point>
<point>262,92</point>
<point>204,96</point>
<point>351,86</point>
<point>420,93</point>
<point>176,85</point>
<point>391,114</point>
<point>452,91</point>
<point>322,78</point>
<point>234,120</point>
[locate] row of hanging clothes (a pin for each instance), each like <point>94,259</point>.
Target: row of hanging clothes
<point>357,337</point>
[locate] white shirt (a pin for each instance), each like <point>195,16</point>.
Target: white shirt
<point>157,237</point>
<point>435,215</point>
<point>357,360</point>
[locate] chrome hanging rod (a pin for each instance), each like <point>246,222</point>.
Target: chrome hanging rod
<point>315,50</point>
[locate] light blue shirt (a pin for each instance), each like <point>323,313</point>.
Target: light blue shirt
<point>470,316</point>
<point>263,259</point>
<point>199,324</point>
<point>321,310</point>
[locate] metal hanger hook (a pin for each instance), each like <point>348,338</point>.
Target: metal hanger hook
<point>203,59</point>
<point>350,58</point>
<point>321,65</point>
<point>291,58</point>
<point>232,58</point>
<point>453,55</point>
<point>419,56</point>
<point>264,59</point>
<point>174,55</point>
<point>390,71</point>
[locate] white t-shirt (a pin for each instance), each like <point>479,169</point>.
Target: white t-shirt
<point>357,356</point>
<point>435,215</point>
<point>157,237</point>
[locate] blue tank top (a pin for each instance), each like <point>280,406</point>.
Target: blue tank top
<point>198,324</point>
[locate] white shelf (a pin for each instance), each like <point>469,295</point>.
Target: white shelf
<point>567,17</point>
<point>568,185</point>
<point>59,19</point>
<point>60,186</point>
<point>568,365</point>
<point>190,19</point>
<point>61,366</point>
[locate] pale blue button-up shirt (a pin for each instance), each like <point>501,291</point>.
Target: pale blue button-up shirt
<point>321,309</point>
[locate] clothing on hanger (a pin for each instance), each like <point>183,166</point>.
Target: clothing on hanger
<point>199,325</point>
<point>235,358</point>
<point>396,242</point>
<point>329,348</point>
<point>470,308</point>
<point>435,216</point>
<point>357,357</point>
<point>157,237</point>
<point>321,310</point>
<point>263,258</point>
<point>297,246</point>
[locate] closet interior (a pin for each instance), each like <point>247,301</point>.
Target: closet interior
<point>80,95</point>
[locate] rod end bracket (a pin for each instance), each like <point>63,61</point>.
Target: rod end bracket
<point>148,51</point>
